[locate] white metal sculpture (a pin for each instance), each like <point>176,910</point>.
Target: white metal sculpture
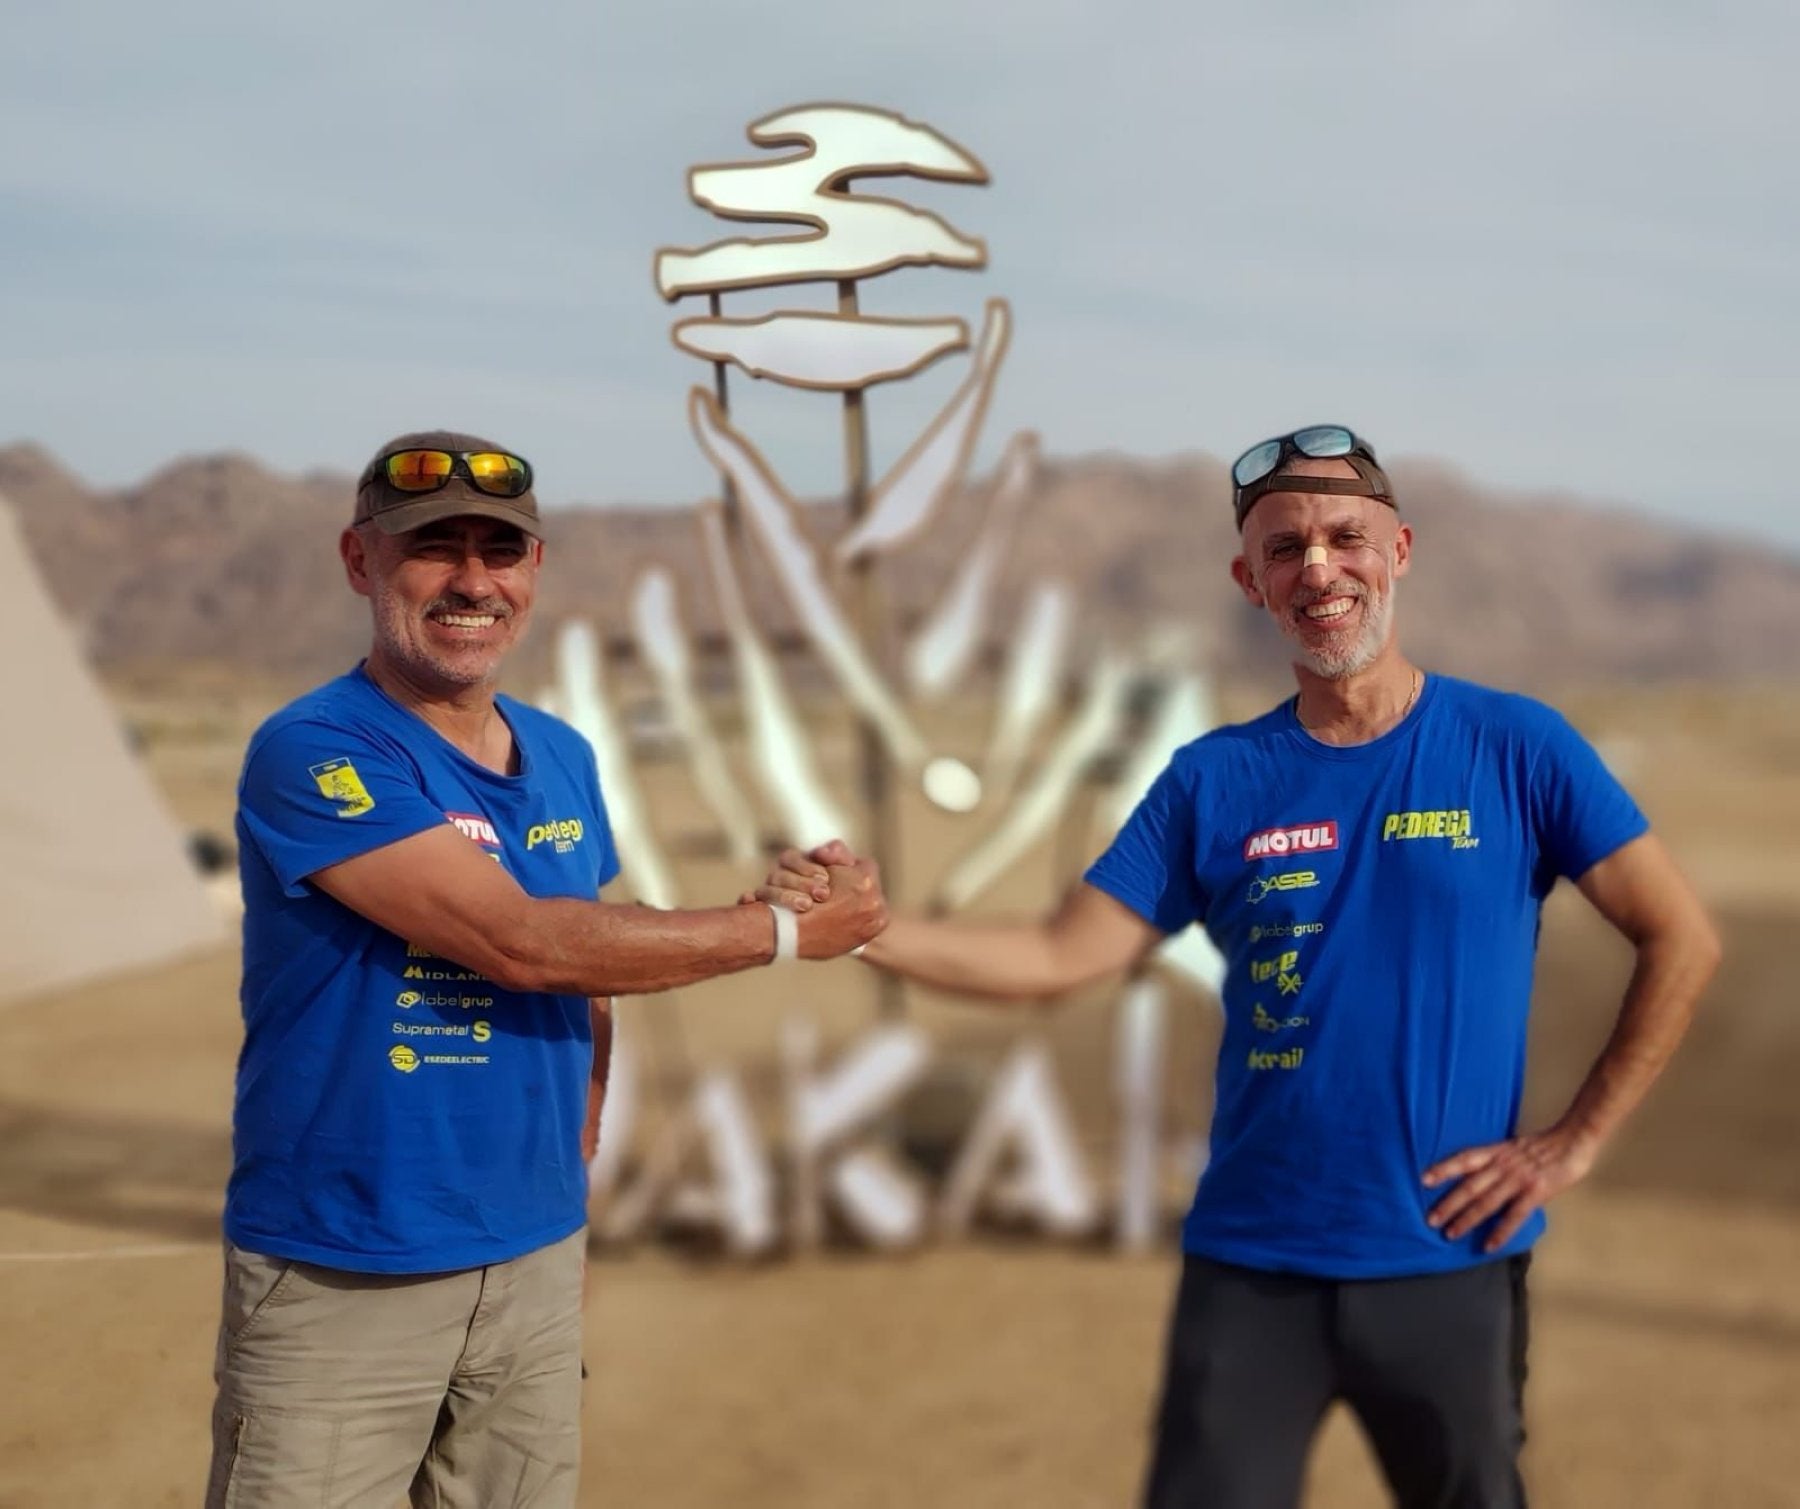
<point>812,221</point>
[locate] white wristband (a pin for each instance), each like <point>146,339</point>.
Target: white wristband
<point>787,933</point>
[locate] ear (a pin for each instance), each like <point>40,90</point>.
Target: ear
<point>1246,580</point>
<point>354,551</point>
<point>1402,550</point>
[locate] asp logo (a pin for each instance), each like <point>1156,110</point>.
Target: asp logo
<point>1288,880</point>
<point>1303,838</point>
<point>564,832</point>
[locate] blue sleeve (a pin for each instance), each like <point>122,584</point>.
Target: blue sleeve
<point>609,851</point>
<point>1152,863</point>
<point>1580,813</point>
<point>314,794</point>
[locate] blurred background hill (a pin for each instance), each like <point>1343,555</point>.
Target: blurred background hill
<point>221,559</point>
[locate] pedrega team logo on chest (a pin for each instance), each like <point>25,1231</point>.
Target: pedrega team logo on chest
<point>474,825</point>
<point>562,833</point>
<point>1303,838</point>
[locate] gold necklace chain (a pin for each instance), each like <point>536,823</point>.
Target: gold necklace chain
<point>1411,697</point>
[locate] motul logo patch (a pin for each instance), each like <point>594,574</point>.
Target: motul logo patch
<point>1305,838</point>
<point>474,825</point>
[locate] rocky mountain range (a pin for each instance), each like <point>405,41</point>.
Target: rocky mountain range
<point>219,559</point>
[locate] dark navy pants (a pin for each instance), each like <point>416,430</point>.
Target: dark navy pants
<point>1434,1367</point>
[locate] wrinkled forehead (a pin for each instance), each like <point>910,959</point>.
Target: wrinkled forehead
<point>1308,515</point>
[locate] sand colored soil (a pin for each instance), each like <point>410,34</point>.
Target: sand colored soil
<point>1666,1361</point>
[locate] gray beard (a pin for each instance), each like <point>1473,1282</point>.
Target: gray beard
<point>1378,614</point>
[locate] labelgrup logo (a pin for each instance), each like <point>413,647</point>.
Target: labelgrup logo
<point>1302,838</point>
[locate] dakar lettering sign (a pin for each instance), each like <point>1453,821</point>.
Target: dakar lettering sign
<point>710,1169</point>
<point>819,226</point>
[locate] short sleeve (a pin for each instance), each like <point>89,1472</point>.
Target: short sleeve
<point>314,795</point>
<point>609,851</point>
<point>1580,811</point>
<point>1151,866</point>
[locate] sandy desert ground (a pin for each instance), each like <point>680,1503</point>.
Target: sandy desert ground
<point>1666,1362</point>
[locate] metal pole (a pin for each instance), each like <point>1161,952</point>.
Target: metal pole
<point>878,787</point>
<point>733,515</point>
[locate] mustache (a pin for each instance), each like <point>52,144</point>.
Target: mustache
<point>455,602</point>
<point>1305,597</point>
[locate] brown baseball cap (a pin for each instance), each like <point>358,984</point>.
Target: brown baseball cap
<point>394,511</point>
<point>1370,481</point>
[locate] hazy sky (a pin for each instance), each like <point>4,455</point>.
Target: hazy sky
<point>1556,244</point>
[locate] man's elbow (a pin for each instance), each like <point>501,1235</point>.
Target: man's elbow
<point>522,975</point>
<point>531,969</point>
<point>1708,946</point>
<point>1693,940</point>
<point>521,959</point>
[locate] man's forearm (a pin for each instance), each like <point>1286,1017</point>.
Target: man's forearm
<point>597,949</point>
<point>1672,970</point>
<point>1003,962</point>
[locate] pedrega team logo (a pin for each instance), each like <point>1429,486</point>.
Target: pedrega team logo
<point>1306,838</point>
<point>474,825</point>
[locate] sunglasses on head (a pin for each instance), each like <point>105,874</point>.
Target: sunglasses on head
<point>499,474</point>
<point>1258,471</point>
<point>1321,442</point>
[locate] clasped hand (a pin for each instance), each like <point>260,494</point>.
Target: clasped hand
<point>836,895</point>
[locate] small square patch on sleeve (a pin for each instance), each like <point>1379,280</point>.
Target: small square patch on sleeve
<point>340,783</point>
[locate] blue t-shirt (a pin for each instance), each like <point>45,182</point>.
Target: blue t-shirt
<point>396,1112</point>
<point>1377,908</point>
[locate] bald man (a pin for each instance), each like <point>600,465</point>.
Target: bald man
<point>1370,857</point>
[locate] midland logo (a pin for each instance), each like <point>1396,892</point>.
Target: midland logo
<point>1307,838</point>
<point>1454,824</point>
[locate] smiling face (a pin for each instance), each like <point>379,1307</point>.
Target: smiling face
<point>1325,565</point>
<point>449,600</point>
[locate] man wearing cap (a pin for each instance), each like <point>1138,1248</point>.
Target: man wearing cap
<point>1370,857</point>
<point>427,980</point>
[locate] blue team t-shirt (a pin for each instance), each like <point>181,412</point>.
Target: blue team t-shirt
<point>1377,908</point>
<point>397,1112</point>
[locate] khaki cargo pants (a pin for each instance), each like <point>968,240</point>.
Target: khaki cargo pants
<point>460,1390</point>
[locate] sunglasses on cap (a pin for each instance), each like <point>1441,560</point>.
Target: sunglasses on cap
<point>499,474</point>
<point>1258,471</point>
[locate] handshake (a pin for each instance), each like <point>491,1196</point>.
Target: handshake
<point>836,896</point>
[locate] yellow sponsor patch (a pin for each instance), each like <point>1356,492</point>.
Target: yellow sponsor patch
<point>1447,823</point>
<point>403,1058</point>
<point>340,783</point>
<point>1290,880</point>
<point>564,833</point>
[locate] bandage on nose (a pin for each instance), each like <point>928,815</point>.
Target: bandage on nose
<point>1316,555</point>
